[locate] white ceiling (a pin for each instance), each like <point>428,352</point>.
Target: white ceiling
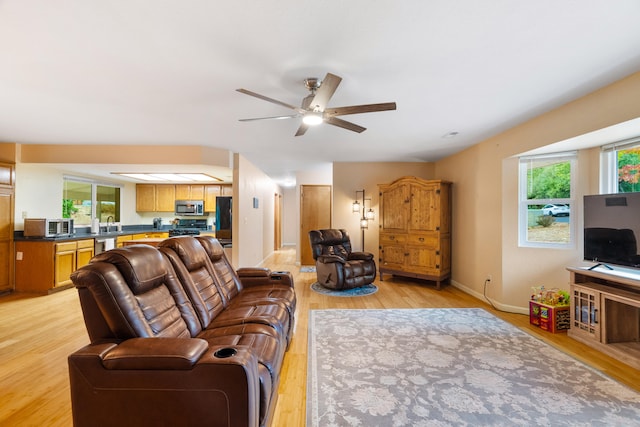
<point>165,72</point>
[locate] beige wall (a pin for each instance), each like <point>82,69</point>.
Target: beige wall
<point>129,154</point>
<point>351,176</point>
<point>320,175</point>
<point>485,196</point>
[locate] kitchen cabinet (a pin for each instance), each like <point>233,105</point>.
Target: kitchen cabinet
<point>6,226</point>
<point>155,197</point>
<point>211,191</point>
<point>189,191</point>
<point>145,197</point>
<point>64,263</point>
<point>121,239</point>
<point>165,197</point>
<point>162,197</point>
<point>45,266</point>
<point>86,251</point>
<point>415,229</point>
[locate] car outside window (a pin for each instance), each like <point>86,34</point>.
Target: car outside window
<point>546,198</point>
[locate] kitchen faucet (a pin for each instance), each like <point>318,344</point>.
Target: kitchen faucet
<point>109,222</point>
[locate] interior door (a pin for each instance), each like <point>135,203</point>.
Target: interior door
<point>315,214</point>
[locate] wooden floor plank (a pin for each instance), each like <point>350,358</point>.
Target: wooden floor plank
<point>37,333</point>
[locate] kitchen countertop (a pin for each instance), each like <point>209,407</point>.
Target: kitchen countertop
<point>127,230</point>
<point>80,235</point>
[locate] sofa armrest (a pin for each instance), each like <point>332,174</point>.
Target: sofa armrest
<point>225,387</point>
<point>328,259</point>
<point>263,276</point>
<point>364,256</point>
<point>156,353</point>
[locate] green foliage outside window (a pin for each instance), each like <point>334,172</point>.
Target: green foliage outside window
<point>549,182</point>
<point>629,170</point>
<point>68,209</point>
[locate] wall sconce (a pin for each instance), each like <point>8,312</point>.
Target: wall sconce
<point>367,215</point>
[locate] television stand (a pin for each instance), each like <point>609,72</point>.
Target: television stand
<point>601,264</point>
<point>605,312</point>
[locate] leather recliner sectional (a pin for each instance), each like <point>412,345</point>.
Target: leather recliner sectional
<point>178,337</point>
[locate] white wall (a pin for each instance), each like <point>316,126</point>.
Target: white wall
<point>253,228</point>
<point>289,224</point>
<point>39,191</point>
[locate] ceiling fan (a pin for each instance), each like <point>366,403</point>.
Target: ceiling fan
<point>314,110</point>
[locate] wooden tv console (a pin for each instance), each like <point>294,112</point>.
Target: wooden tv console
<point>605,311</point>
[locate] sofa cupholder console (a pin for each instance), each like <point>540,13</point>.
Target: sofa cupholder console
<point>178,337</point>
<point>223,353</point>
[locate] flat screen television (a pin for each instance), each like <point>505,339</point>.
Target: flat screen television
<point>611,229</point>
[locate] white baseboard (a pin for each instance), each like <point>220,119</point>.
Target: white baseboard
<point>499,306</point>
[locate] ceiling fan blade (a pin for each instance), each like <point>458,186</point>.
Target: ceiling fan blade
<point>344,124</point>
<point>302,129</point>
<point>357,109</point>
<point>292,116</point>
<point>325,91</point>
<point>274,101</point>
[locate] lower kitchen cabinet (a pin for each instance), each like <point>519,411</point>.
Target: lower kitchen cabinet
<point>46,266</point>
<point>86,251</point>
<point>121,239</point>
<point>64,263</point>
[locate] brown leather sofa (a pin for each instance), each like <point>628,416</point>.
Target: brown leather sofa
<point>179,338</point>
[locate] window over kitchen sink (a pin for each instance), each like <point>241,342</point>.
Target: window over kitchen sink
<point>84,199</point>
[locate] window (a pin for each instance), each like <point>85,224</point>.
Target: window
<point>546,200</point>
<point>85,199</point>
<point>621,166</point>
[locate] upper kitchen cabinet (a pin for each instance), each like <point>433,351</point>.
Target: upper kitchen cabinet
<point>189,191</point>
<point>211,191</point>
<point>162,197</point>
<point>155,197</point>
<point>7,175</point>
<point>210,194</point>
<point>165,197</point>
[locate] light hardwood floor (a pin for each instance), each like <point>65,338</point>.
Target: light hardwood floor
<point>37,333</point>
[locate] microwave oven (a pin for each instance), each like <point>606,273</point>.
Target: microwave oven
<point>189,207</point>
<point>44,227</point>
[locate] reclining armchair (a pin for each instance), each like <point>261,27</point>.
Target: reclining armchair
<point>337,267</point>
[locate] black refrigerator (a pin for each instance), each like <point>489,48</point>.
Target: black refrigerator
<point>224,207</point>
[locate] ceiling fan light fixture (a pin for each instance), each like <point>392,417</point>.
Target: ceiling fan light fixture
<point>312,118</point>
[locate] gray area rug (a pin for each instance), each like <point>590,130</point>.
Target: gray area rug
<point>450,367</point>
<point>355,292</point>
<point>307,269</point>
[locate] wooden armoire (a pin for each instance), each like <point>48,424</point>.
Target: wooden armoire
<point>415,229</point>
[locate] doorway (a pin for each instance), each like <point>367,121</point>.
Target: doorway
<point>315,214</point>
<point>277,221</point>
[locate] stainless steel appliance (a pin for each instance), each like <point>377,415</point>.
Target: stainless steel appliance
<point>157,223</point>
<point>188,227</point>
<point>45,227</point>
<point>224,208</point>
<point>189,207</point>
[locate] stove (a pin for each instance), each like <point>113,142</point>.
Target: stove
<point>183,232</point>
<point>188,227</point>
